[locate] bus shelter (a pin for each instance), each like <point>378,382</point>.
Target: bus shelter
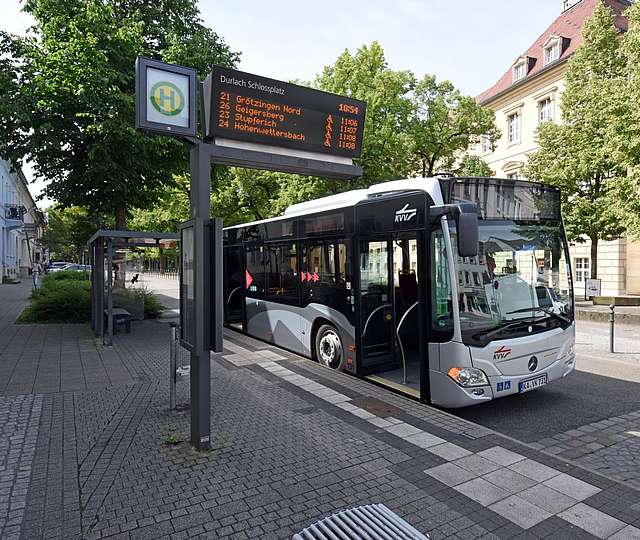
<point>109,249</point>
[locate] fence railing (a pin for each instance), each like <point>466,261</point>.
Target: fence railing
<point>168,274</point>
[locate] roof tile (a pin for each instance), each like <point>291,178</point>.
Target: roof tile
<point>569,26</point>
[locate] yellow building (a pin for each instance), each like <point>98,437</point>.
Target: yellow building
<point>528,94</point>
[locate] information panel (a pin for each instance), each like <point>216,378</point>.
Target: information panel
<point>256,109</point>
<point>187,285</point>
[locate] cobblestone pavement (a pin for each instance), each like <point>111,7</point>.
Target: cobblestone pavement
<point>612,445</point>
<point>291,441</point>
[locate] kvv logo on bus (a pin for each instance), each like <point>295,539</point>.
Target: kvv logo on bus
<point>405,214</point>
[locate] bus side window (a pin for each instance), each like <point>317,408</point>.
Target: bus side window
<point>282,273</point>
<point>326,275</point>
<point>441,293</point>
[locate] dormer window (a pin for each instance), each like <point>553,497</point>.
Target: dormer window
<point>519,71</point>
<point>521,67</point>
<point>551,53</point>
<point>552,49</point>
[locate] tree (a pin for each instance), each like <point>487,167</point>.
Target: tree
<point>444,123</point>
<point>169,210</point>
<point>365,75</point>
<point>249,194</point>
<point>67,232</point>
<point>624,140</point>
<point>73,97</point>
<point>473,166</point>
<point>576,155</point>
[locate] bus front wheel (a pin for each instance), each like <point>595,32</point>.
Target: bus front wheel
<point>329,347</point>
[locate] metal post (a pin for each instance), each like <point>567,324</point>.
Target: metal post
<point>172,366</point>
<point>109,293</point>
<point>612,320</point>
<point>200,382</point>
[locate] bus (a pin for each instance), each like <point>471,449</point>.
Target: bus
<point>452,290</point>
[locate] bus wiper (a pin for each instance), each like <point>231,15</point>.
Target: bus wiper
<point>494,331</point>
<point>548,311</point>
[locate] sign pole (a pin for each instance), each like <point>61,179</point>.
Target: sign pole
<point>200,378</point>
<point>277,115</point>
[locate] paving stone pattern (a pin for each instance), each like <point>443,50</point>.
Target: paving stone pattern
<point>610,446</point>
<point>19,419</point>
<point>87,456</point>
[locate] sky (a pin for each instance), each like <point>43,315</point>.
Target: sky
<point>468,42</point>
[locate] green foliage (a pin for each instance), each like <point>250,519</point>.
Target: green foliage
<point>365,75</point>
<point>624,127</point>
<point>152,306</point>
<point>60,300</point>
<point>67,232</point>
<point>404,125</point>
<point>444,123</point>
<point>71,88</point>
<point>65,297</point>
<point>172,436</point>
<point>169,210</point>
<point>473,166</point>
<point>576,155</point>
<point>65,275</point>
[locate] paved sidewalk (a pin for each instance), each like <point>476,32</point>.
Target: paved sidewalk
<point>291,441</point>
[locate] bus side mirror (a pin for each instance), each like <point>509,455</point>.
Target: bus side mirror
<point>466,218</point>
<point>467,226</point>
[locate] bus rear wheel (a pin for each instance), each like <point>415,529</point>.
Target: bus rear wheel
<point>329,347</point>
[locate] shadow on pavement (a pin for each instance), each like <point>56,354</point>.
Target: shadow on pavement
<point>579,399</point>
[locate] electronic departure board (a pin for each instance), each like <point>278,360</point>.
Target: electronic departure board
<point>256,109</point>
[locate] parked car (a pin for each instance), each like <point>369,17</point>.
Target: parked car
<point>77,268</point>
<point>73,267</point>
<point>57,266</point>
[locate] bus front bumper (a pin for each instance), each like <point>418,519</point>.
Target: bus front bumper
<point>445,392</point>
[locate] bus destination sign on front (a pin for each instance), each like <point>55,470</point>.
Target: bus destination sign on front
<point>256,109</point>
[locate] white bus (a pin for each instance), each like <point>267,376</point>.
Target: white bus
<point>453,290</point>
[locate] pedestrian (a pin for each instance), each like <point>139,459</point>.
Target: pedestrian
<point>36,269</point>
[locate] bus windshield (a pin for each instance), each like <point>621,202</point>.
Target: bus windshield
<point>517,285</point>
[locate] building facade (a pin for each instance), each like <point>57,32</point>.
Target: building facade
<point>21,226</point>
<point>528,94</point>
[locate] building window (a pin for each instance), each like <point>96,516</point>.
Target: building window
<point>487,147</point>
<point>545,110</point>
<point>513,175</point>
<point>519,71</point>
<point>551,53</point>
<point>582,269</point>
<point>513,123</point>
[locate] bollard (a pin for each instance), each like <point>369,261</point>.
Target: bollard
<point>611,325</point>
<point>172,366</point>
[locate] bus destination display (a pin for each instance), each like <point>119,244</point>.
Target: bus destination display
<point>257,109</point>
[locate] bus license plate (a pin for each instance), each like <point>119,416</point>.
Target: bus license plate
<point>532,384</point>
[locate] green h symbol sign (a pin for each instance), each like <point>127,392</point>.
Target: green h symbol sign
<point>167,94</point>
<point>167,98</point>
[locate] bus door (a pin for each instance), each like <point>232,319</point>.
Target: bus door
<point>392,296</point>
<point>234,282</point>
<point>377,330</point>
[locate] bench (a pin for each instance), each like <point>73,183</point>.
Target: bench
<point>120,316</point>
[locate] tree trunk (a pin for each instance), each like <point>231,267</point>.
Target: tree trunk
<point>121,224</point>
<point>594,257</point>
<point>121,217</point>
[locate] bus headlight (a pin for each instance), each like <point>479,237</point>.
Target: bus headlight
<point>468,376</point>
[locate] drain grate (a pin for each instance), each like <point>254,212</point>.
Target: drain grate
<point>376,406</point>
<point>370,522</point>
